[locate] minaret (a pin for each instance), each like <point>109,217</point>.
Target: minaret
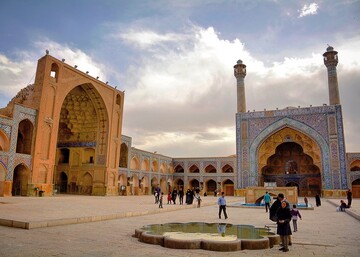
<point>240,73</point>
<point>330,61</point>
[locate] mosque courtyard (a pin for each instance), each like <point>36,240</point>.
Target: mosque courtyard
<point>61,226</point>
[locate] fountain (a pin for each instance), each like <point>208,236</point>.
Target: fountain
<point>207,236</point>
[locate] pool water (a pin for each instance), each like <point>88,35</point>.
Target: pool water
<point>299,205</point>
<point>207,230</point>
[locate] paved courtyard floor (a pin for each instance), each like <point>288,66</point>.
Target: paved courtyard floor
<point>322,231</point>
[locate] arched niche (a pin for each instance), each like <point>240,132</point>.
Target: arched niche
<point>228,187</point>
<point>162,168</point>
<point>4,141</point>
<point>210,169</point>
<point>145,165</point>
<point>355,165</point>
<point>227,169</point>
<point>88,155</point>
<point>134,164</point>
<point>194,169</point>
<point>64,155</point>
<point>123,162</point>
<point>211,186</point>
<point>84,122</point>
<point>179,184</point>
<point>155,166</point>
<point>25,136</point>
<point>20,180</point>
<point>2,178</point>
<point>179,169</point>
<point>87,183</point>
<point>194,183</point>
<point>54,73</point>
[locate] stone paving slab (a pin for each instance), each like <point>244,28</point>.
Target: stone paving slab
<point>35,212</point>
<point>322,232</point>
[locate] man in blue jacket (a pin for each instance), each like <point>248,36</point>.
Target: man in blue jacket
<point>222,205</point>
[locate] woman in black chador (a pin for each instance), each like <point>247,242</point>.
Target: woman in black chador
<point>283,217</point>
<point>187,197</point>
<point>317,200</point>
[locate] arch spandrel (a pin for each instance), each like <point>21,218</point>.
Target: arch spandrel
<point>303,130</point>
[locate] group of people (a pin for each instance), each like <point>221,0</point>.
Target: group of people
<point>343,205</point>
<point>190,196</point>
<point>282,214</point>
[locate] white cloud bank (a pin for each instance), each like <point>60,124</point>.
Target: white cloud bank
<point>310,9</point>
<point>180,95</point>
<point>17,73</point>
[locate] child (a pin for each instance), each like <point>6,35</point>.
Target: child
<point>294,214</point>
<point>156,197</point>
<point>169,198</point>
<point>306,201</point>
<point>161,200</point>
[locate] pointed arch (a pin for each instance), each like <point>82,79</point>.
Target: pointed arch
<point>179,169</point>
<point>2,178</point>
<point>123,163</point>
<point>20,180</point>
<point>355,165</point>
<point>227,169</point>
<point>134,163</point>
<point>179,184</point>
<point>87,181</point>
<point>63,182</point>
<point>4,141</point>
<point>155,166</point>
<point>145,165</point>
<point>194,169</point>
<point>295,125</point>
<point>228,187</point>
<point>25,137</point>
<point>162,168</point>
<point>154,184</point>
<point>194,183</point>
<point>210,169</point>
<point>210,186</point>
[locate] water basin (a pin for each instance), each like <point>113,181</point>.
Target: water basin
<point>208,236</point>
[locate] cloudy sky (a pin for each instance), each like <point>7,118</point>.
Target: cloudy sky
<point>174,59</point>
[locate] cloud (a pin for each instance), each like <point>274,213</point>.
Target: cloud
<point>146,38</point>
<point>14,75</point>
<point>310,9</point>
<point>74,56</point>
<point>18,72</point>
<point>180,95</point>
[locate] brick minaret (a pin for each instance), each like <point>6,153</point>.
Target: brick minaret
<point>331,61</point>
<point>240,73</point>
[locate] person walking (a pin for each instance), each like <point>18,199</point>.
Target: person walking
<point>306,201</point>
<point>174,195</point>
<point>161,200</point>
<point>283,217</point>
<point>317,200</point>
<point>349,197</point>
<point>198,199</point>
<point>169,198</point>
<point>294,216</point>
<point>181,196</point>
<point>267,200</point>
<point>222,205</point>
